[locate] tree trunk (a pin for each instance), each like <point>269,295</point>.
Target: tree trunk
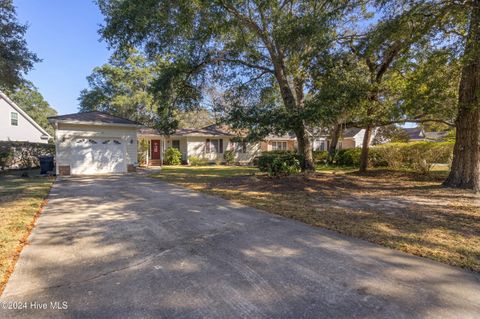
<point>365,146</point>
<point>305,149</point>
<point>336,132</point>
<point>465,171</point>
<point>292,106</point>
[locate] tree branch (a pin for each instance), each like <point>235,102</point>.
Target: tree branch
<point>245,63</point>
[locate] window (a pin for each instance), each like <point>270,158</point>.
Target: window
<point>320,146</point>
<point>214,146</point>
<point>14,118</point>
<point>176,144</point>
<point>279,146</point>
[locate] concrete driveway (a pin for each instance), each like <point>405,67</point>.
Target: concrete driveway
<point>134,247</point>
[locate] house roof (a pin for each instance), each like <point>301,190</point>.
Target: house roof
<point>94,117</point>
<point>435,136</point>
<point>211,130</point>
<point>351,131</point>
<point>415,133</point>
<point>25,115</point>
<point>287,136</point>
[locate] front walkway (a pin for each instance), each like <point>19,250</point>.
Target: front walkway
<point>134,247</point>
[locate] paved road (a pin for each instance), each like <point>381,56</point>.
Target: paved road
<point>134,247</point>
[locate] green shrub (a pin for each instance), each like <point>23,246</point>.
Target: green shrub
<point>280,164</point>
<point>197,161</point>
<point>376,158</point>
<point>391,155</point>
<point>423,155</point>
<point>320,157</point>
<point>142,152</point>
<point>279,152</point>
<point>172,156</point>
<point>229,157</point>
<point>419,156</point>
<point>348,157</point>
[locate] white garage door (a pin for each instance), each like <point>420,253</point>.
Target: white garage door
<point>97,156</point>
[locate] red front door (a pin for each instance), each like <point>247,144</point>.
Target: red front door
<point>155,149</point>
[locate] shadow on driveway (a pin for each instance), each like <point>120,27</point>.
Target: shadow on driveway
<point>134,247</point>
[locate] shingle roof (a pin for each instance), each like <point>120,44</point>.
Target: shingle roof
<point>211,130</point>
<point>414,133</point>
<point>287,136</point>
<point>351,131</point>
<point>94,116</point>
<point>435,136</point>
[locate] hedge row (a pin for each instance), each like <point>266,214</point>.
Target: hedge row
<point>419,156</point>
<point>23,154</point>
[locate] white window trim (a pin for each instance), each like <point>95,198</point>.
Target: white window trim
<point>283,145</point>
<point>210,147</point>
<point>11,118</point>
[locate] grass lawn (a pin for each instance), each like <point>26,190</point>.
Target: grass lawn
<point>397,209</point>
<point>20,202</point>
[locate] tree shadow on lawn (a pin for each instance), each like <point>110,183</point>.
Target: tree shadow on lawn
<point>135,247</point>
<point>417,217</point>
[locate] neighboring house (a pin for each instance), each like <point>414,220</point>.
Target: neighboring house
<point>351,138</point>
<point>16,125</point>
<point>94,143</point>
<point>286,142</point>
<point>208,143</point>
<point>416,134</point>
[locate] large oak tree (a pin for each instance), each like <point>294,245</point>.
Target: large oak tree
<point>465,171</point>
<point>261,48</point>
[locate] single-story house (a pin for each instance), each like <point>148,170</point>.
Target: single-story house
<point>99,143</point>
<point>208,143</point>
<point>94,143</point>
<point>16,125</point>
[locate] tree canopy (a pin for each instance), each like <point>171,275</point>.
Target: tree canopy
<point>258,52</point>
<point>15,58</point>
<point>29,99</point>
<point>121,87</point>
<point>293,66</point>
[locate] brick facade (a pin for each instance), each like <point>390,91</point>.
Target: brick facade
<point>64,170</point>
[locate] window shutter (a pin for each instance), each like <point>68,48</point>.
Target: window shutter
<point>220,145</point>
<point>207,146</point>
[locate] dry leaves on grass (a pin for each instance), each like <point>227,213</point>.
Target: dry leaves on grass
<point>21,200</point>
<point>400,210</point>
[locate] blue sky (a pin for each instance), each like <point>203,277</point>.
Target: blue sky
<point>64,33</point>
